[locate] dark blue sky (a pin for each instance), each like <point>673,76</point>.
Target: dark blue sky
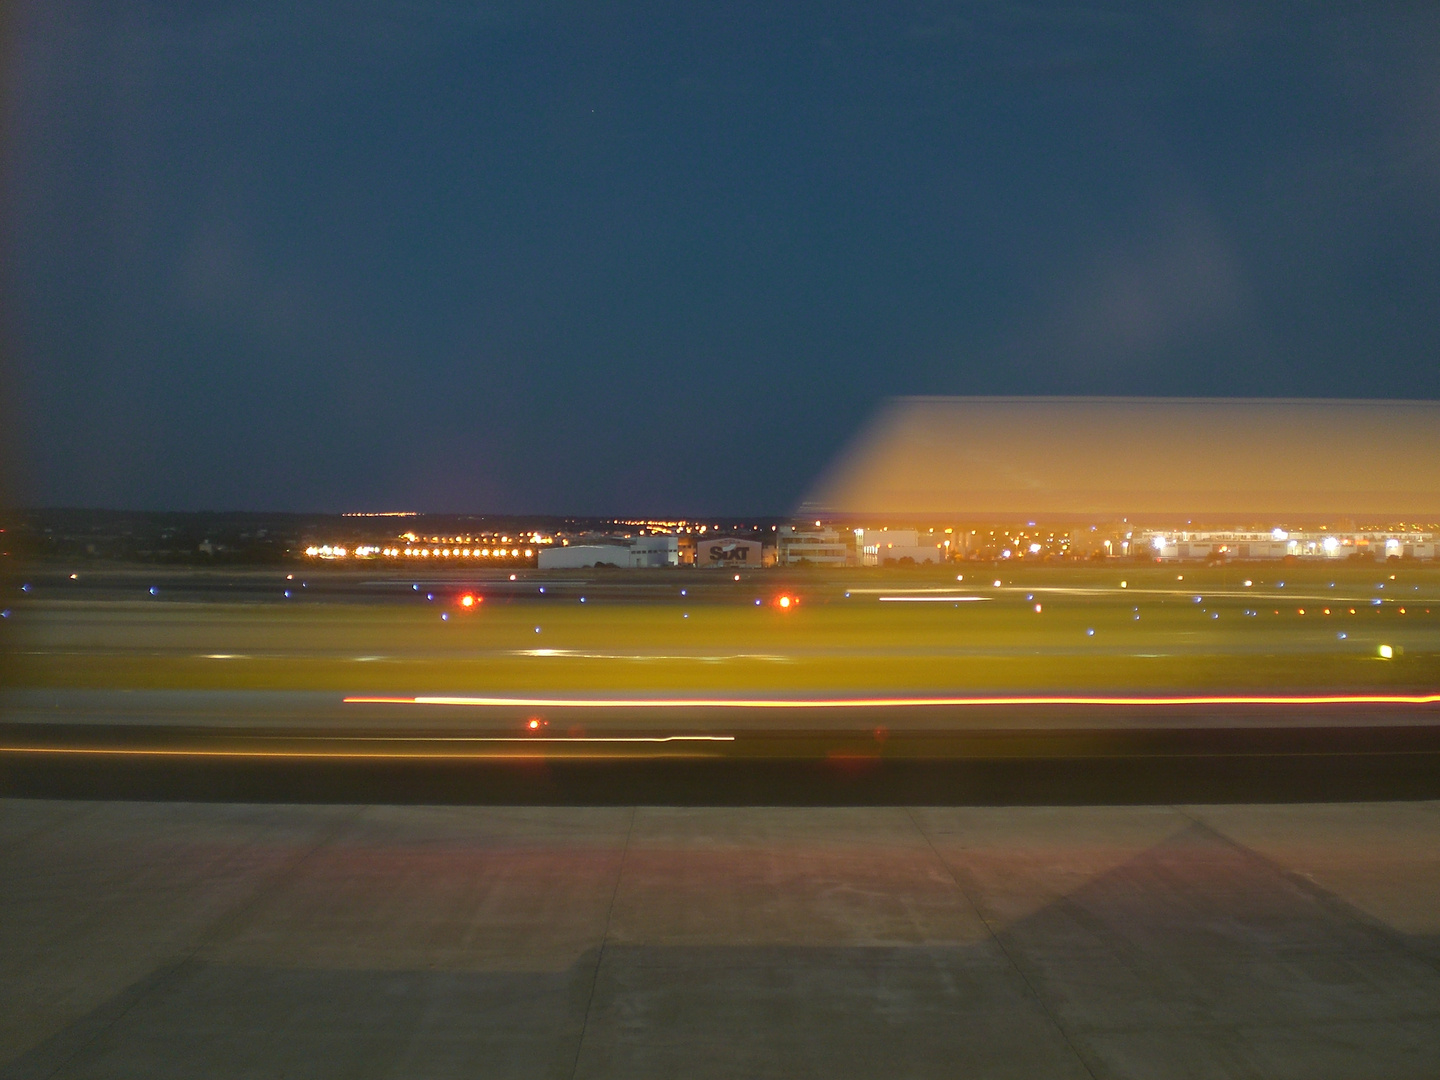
<point>667,258</point>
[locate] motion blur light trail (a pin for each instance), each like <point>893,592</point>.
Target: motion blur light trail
<point>898,702</point>
<point>932,599</point>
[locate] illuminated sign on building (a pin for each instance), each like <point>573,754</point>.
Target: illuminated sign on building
<point>727,552</point>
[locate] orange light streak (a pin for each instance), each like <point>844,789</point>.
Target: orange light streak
<point>897,702</point>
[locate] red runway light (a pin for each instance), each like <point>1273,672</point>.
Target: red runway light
<point>784,602</point>
<point>469,600</point>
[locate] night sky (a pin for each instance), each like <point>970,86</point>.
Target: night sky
<point>668,258</point>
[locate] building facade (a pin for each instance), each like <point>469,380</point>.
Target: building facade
<point>811,547</point>
<point>580,556</point>
<point>632,551</point>
<point>889,547</point>
<point>655,550</point>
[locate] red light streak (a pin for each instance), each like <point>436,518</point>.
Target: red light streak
<point>900,702</point>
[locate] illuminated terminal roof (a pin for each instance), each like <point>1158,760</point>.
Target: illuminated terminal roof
<point>1140,457</point>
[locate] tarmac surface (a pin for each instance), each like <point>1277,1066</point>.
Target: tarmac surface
<point>229,940</point>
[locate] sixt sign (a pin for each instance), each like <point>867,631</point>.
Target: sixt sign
<point>727,552</point>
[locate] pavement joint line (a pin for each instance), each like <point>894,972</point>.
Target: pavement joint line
<point>604,940</point>
<point>999,942</point>
<point>1376,928</point>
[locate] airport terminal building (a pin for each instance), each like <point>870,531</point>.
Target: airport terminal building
<point>1282,544</point>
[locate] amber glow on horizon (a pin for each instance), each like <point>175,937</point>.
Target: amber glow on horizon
<point>1183,457</point>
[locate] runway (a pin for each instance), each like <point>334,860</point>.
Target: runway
<point>687,689</point>
<point>317,747</point>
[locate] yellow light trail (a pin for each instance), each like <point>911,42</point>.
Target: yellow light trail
<point>896,702</point>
